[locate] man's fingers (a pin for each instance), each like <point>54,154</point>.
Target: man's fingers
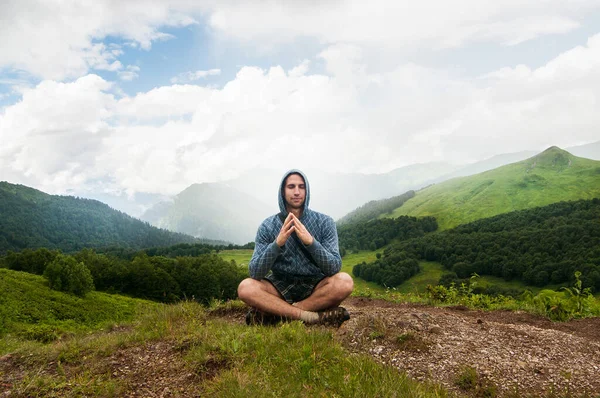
<point>287,223</point>
<point>297,221</point>
<point>289,231</point>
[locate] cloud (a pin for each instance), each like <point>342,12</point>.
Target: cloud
<point>61,39</point>
<point>65,41</point>
<point>350,119</point>
<point>51,137</point>
<point>532,108</point>
<point>163,102</point>
<point>130,73</point>
<point>189,77</point>
<point>397,25</point>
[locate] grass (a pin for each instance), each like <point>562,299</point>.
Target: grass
<point>430,275</point>
<point>29,310</point>
<point>240,256</point>
<point>512,187</point>
<point>292,360</point>
<point>221,358</point>
<point>486,280</point>
<point>469,380</point>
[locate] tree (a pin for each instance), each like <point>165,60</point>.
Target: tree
<point>65,274</point>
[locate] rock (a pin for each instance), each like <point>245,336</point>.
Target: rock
<point>435,329</point>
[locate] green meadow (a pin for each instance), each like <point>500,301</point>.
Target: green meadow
<point>552,176</point>
<point>240,256</point>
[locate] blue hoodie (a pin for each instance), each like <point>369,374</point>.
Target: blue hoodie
<point>291,260</point>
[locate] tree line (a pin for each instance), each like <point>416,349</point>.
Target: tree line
<point>154,277</point>
<point>389,270</point>
<point>374,234</point>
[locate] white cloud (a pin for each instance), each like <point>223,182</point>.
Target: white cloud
<point>163,102</point>
<point>351,119</point>
<point>299,70</point>
<point>533,108</point>
<point>58,39</point>
<point>62,38</point>
<point>387,24</point>
<point>189,77</point>
<point>130,73</point>
<point>50,138</point>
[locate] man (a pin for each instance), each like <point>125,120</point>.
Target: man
<point>295,267</point>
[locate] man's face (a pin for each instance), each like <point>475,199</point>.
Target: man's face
<point>294,191</point>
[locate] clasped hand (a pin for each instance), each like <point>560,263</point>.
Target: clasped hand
<point>291,224</point>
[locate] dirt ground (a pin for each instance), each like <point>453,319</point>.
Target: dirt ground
<point>508,353</point>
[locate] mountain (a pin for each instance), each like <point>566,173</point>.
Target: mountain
<point>552,176</point>
<point>30,218</point>
<point>589,151</point>
<point>213,211</point>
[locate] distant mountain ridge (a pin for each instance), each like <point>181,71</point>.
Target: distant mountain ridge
<point>211,210</point>
<point>552,176</point>
<point>30,219</point>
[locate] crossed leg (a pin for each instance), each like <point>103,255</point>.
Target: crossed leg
<point>262,295</point>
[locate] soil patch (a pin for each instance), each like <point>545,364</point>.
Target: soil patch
<point>506,353</point>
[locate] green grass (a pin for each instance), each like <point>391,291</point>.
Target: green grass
<point>512,187</point>
<point>430,275</point>
<point>240,256</point>
<point>486,280</point>
<point>292,360</point>
<point>224,359</point>
<point>29,310</point>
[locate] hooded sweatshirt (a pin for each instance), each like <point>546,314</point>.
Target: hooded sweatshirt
<point>295,259</point>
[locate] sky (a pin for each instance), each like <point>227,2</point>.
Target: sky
<point>129,97</point>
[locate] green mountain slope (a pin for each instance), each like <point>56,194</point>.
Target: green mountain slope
<point>30,219</point>
<point>549,177</point>
<point>28,308</point>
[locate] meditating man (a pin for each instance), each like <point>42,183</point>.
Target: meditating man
<point>295,267</point>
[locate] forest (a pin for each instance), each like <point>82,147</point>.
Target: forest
<point>539,246</point>
<point>374,234</point>
<point>32,219</point>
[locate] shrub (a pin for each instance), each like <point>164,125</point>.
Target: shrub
<point>65,274</point>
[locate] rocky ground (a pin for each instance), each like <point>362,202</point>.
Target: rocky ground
<point>479,353</point>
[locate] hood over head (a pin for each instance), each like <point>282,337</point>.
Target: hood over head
<point>281,198</point>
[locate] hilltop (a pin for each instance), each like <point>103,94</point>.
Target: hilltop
<point>549,177</point>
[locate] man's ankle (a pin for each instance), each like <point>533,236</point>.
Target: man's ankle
<point>309,316</point>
